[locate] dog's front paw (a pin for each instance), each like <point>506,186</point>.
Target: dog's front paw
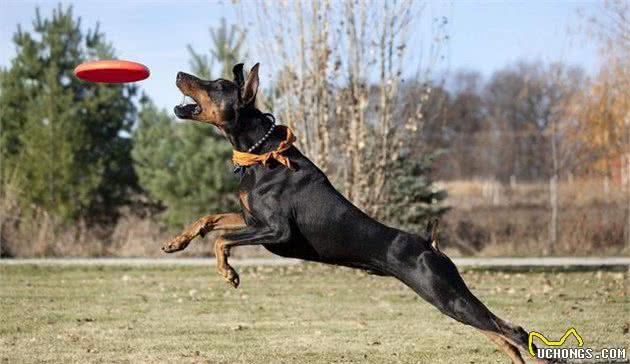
<point>232,277</point>
<point>178,243</point>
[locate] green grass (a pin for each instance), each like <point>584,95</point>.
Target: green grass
<point>297,314</point>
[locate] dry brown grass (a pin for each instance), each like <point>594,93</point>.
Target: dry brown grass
<point>464,194</point>
<point>486,218</point>
<point>498,219</point>
<point>38,234</point>
<point>133,236</point>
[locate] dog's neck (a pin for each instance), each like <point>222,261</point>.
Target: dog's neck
<point>250,128</point>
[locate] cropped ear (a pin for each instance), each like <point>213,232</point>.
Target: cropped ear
<point>251,86</point>
<point>237,70</point>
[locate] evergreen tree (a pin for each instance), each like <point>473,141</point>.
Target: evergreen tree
<point>63,139</point>
<point>413,198</point>
<point>227,50</point>
<point>183,166</point>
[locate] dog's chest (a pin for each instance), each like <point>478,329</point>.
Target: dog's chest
<point>245,199</point>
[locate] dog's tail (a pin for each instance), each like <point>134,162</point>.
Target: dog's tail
<point>431,232</point>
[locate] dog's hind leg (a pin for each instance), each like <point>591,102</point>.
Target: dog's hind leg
<point>434,277</point>
<point>505,346</point>
<point>228,221</point>
<point>514,336</point>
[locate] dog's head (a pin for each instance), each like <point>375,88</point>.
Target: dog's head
<point>217,102</point>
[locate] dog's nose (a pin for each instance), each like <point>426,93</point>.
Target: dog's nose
<point>180,75</point>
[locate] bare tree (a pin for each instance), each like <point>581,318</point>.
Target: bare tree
<point>565,83</point>
<point>605,121</point>
<point>340,70</point>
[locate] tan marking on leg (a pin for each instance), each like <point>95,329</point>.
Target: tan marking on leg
<point>219,253</point>
<point>243,197</point>
<point>508,325</point>
<point>227,221</point>
<point>506,347</point>
<point>222,252</point>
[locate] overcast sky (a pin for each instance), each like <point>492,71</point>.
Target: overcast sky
<point>485,35</point>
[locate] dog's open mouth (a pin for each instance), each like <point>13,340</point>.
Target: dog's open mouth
<point>187,108</point>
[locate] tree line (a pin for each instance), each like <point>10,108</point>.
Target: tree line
<point>504,127</point>
<point>76,153</point>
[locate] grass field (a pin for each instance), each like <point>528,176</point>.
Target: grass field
<point>295,314</point>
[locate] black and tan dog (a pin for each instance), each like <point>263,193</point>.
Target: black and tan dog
<point>290,207</point>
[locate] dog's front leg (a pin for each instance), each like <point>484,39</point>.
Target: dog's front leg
<point>221,252</point>
<point>247,236</point>
<point>227,221</point>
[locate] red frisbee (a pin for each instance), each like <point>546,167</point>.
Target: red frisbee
<point>111,71</point>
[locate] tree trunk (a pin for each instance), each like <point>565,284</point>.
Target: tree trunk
<point>553,187</point>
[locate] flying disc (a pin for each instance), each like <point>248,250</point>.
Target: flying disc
<point>111,71</point>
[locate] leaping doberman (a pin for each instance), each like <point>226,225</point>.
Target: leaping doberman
<point>289,206</point>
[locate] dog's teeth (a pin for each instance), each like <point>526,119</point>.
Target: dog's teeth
<point>183,100</point>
